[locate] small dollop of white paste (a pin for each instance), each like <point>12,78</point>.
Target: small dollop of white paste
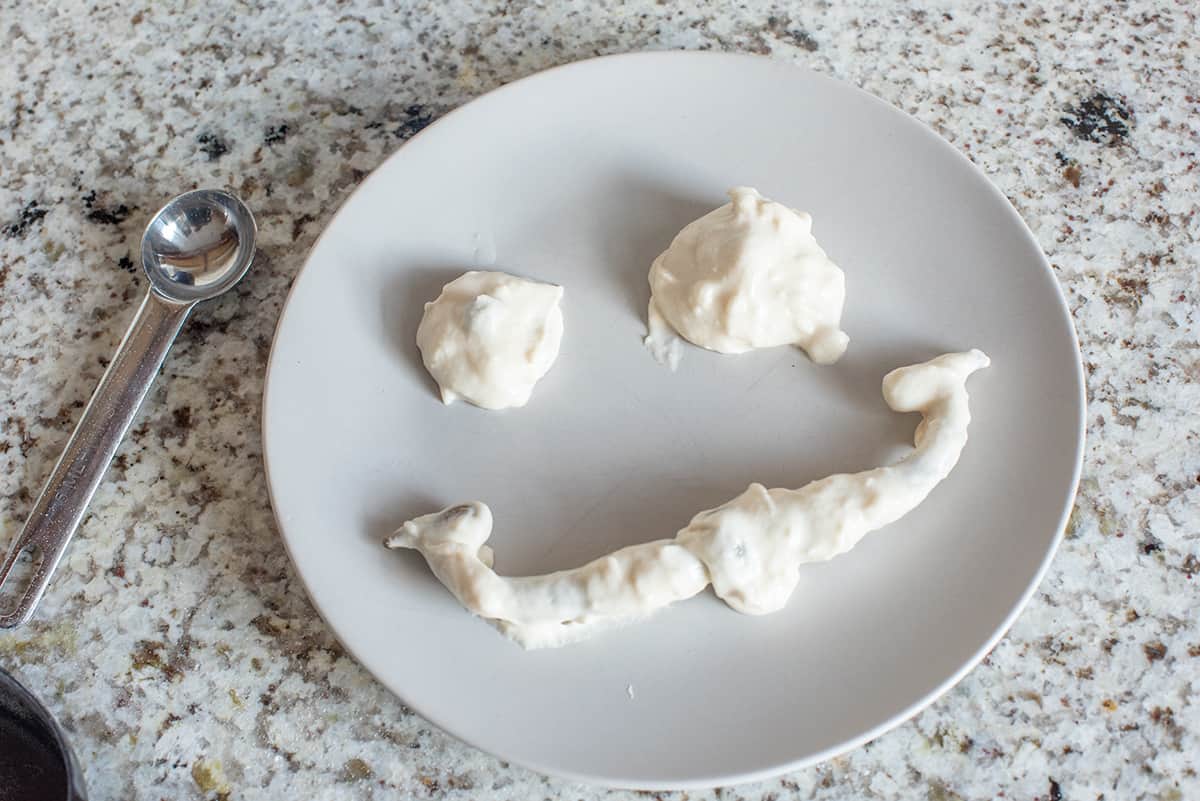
<point>748,275</point>
<point>750,549</point>
<point>490,336</point>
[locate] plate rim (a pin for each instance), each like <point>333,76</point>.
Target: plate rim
<point>905,714</point>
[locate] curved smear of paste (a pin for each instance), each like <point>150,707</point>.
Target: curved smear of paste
<point>750,549</point>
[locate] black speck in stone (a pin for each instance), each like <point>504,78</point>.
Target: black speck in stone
<point>26,217</point>
<point>781,28</point>
<point>212,146</point>
<point>342,108</point>
<point>1100,118</point>
<point>126,264</point>
<point>276,135</point>
<point>1151,544</point>
<point>1063,159</point>
<point>299,223</point>
<point>418,117</point>
<point>801,39</point>
<point>106,215</point>
<point>1055,791</point>
<point>113,216</point>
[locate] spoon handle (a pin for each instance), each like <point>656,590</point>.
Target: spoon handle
<point>75,478</point>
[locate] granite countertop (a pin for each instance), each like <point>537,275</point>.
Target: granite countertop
<point>176,643</point>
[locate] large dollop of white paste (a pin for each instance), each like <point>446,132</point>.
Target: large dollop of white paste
<point>748,275</point>
<point>750,549</point>
<point>490,336</point>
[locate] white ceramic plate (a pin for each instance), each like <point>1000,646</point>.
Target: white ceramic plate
<point>580,176</point>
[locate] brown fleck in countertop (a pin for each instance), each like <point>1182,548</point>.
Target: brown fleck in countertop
<point>176,643</point>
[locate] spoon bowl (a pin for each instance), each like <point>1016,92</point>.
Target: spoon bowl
<point>198,245</point>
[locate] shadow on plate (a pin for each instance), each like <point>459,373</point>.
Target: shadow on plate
<point>642,226</point>
<point>380,522</point>
<point>857,378</point>
<point>403,303</point>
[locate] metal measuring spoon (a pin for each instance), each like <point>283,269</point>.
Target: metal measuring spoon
<point>196,247</point>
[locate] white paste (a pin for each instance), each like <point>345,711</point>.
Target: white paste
<point>748,275</point>
<point>490,336</point>
<point>750,549</point>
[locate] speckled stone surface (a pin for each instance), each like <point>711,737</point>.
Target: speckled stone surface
<point>176,643</point>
